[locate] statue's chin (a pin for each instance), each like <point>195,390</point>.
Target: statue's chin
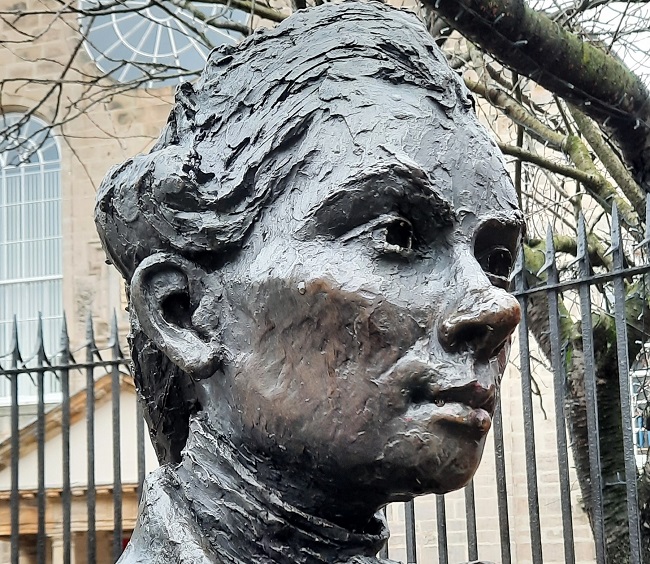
<point>432,485</point>
<point>433,472</point>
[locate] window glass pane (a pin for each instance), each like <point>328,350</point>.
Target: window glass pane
<point>51,186</point>
<point>13,187</point>
<point>34,181</point>
<point>52,210</point>
<point>51,154</point>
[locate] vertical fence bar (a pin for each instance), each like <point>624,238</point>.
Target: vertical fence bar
<point>15,446</point>
<point>590,393</point>
<point>66,496</point>
<point>625,393</point>
<point>441,521</point>
<point>40,440</point>
<point>470,519</point>
<point>559,387</point>
<point>90,445</point>
<point>409,522</point>
<point>117,461</point>
<point>502,487</point>
<point>383,553</point>
<point>529,426</point>
<point>139,430</point>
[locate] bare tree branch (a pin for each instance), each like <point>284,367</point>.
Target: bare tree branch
<point>534,45</point>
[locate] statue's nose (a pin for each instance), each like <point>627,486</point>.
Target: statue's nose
<point>481,322</point>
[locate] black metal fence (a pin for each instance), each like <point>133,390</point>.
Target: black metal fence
<point>610,299</point>
<point>580,292</point>
<point>88,366</point>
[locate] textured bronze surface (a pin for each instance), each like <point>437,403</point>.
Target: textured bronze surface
<point>316,250</point>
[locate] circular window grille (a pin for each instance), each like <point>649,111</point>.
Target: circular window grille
<point>155,42</point>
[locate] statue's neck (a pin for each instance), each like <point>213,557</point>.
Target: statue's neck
<point>254,521</point>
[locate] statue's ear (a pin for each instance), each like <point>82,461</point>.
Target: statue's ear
<point>172,298</point>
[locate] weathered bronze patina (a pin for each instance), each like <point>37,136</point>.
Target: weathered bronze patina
<point>316,251</point>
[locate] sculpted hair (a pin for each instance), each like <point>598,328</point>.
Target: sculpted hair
<point>231,145</point>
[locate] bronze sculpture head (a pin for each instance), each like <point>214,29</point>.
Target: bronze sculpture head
<point>317,251</point>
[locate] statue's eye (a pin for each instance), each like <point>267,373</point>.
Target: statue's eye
<point>497,263</point>
<point>394,234</point>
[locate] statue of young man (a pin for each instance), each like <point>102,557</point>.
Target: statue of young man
<point>317,253</point>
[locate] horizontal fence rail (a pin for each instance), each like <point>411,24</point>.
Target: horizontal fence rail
<point>430,533</point>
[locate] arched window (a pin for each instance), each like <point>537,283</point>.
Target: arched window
<point>30,239</point>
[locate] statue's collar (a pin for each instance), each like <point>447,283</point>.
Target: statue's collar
<point>236,519</point>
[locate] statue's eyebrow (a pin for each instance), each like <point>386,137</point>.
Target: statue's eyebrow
<point>389,186</point>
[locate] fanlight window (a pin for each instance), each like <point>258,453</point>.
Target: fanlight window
<point>30,241</point>
<point>155,44</point>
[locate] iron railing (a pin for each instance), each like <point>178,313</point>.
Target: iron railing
<point>578,280</point>
<point>62,365</point>
<point>583,282</point>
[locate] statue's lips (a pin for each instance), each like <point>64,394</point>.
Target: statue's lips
<point>465,402</point>
<point>472,395</point>
<point>475,421</point>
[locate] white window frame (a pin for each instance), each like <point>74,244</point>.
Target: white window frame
<point>31,269</point>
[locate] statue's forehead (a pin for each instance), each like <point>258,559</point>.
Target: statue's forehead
<point>408,129</point>
<point>474,171</point>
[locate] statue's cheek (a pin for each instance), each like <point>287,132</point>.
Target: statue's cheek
<point>315,356</point>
